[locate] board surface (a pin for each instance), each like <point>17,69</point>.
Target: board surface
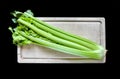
<point>91,28</point>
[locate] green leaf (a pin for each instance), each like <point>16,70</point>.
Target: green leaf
<point>30,12</point>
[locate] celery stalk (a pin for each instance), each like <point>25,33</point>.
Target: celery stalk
<point>61,48</point>
<point>31,30</point>
<point>52,37</point>
<point>59,30</point>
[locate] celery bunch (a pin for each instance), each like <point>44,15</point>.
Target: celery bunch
<point>31,30</point>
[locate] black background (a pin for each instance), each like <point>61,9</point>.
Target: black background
<point>42,8</point>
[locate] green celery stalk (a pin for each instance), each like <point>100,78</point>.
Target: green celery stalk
<point>61,48</point>
<point>31,30</point>
<point>52,37</point>
<point>63,36</point>
<point>58,29</point>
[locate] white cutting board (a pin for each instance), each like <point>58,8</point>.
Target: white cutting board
<point>91,28</point>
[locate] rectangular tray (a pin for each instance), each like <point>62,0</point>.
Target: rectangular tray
<point>91,28</point>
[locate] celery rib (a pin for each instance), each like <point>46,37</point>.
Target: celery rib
<point>59,30</point>
<point>91,54</point>
<point>63,36</point>
<point>52,37</point>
